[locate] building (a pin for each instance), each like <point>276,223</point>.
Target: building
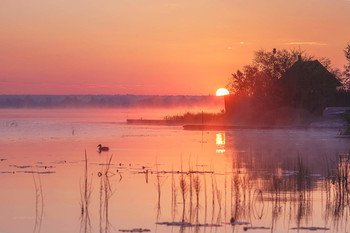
<point>309,85</point>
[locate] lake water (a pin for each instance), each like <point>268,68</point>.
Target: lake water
<point>166,179</point>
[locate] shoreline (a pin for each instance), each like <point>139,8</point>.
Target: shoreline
<point>213,126</point>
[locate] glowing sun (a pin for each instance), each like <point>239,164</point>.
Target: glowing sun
<point>222,91</point>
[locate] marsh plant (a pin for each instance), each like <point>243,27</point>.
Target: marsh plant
<point>337,196</point>
<point>39,203</point>
<point>249,196</point>
<point>85,198</point>
<point>106,193</point>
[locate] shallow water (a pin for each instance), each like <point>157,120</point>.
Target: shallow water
<point>165,179</point>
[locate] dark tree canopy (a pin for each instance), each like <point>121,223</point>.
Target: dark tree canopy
<point>346,73</point>
<point>347,56</point>
<point>259,78</point>
<point>277,88</point>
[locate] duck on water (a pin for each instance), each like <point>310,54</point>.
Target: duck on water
<point>102,148</point>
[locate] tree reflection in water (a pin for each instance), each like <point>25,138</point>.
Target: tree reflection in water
<point>270,196</point>
<point>336,186</point>
<point>255,189</point>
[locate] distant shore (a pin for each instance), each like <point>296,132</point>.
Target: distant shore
<point>108,101</point>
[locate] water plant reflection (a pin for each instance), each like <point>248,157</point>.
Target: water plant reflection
<point>39,202</point>
<point>85,196</point>
<point>266,197</point>
<point>337,190</point>
<point>106,193</point>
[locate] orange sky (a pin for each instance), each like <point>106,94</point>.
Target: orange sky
<point>155,46</point>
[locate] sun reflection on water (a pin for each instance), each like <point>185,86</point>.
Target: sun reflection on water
<point>220,143</point>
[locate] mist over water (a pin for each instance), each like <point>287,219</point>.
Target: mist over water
<point>165,179</point>
<point>108,101</point>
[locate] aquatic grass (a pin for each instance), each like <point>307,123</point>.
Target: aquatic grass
<point>218,200</point>
<point>225,195</point>
<point>106,193</point>
<point>197,188</point>
<point>85,195</point>
<point>183,189</point>
<point>213,197</point>
<point>173,195</point>
<point>158,191</point>
<point>205,197</point>
<point>337,187</point>
<point>190,176</point>
<point>159,185</point>
<point>303,174</point>
<point>273,193</point>
<point>200,117</point>
<point>39,203</point>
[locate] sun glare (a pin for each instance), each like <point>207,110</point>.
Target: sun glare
<point>221,92</point>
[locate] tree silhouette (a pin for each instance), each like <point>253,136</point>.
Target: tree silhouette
<point>347,66</point>
<point>259,78</point>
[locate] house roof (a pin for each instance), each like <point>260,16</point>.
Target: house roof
<point>309,74</point>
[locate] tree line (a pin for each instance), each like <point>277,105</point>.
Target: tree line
<point>259,78</point>
<point>259,95</point>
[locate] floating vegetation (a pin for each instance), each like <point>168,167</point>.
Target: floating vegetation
<point>256,228</point>
<point>237,223</point>
<point>45,167</point>
<point>310,228</point>
<point>39,172</point>
<point>135,230</point>
<point>32,171</point>
<point>60,162</point>
<point>21,167</point>
<point>185,172</point>
<point>187,224</point>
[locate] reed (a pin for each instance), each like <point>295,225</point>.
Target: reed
<point>106,193</point>
<point>183,188</point>
<point>39,203</point>
<point>159,191</point>
<point>190,176</point>
<point>173,195</point>
<point>85,195</point>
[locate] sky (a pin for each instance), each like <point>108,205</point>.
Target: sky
<point>162,47</point>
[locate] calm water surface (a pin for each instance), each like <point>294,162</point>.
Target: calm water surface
<point>165,179</point>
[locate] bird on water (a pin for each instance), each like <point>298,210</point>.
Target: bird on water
<point>102,148</point>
